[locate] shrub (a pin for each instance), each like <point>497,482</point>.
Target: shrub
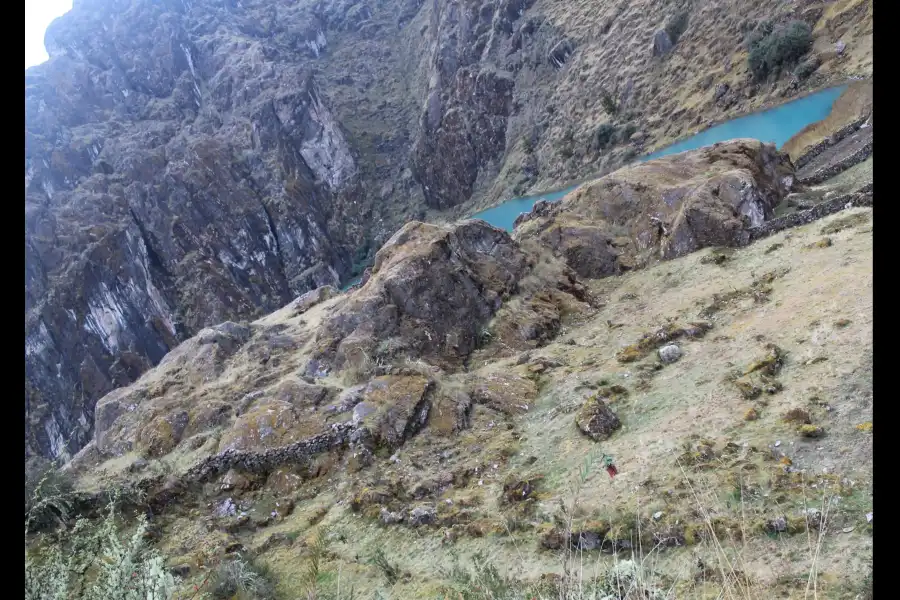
<point>528,144</point>
<point>627,131</point>
<point>677,25</point>
<point>481,581</point>
<point>608,103</point>
<point>47,494</point>
<point>603,136</point>
<point>101,561</point>
<point>313,574</point>
<point>807,68</point>
<point>772,49</point>
<point>757,33</point>
<point>241,578</point>
<point>568,138</point>
<point>380,560</point>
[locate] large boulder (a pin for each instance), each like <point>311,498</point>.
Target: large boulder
<point>662,209</point>
<point>396,408</point>
<point>431,291</point>
<point>596,419</point>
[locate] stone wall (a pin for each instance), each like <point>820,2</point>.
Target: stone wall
<point>817,149</point>
<point>829,207</point>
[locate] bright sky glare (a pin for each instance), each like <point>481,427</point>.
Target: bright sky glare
<point>39,14</point>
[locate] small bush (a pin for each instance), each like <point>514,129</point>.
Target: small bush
<point>47,494</point>
<point>568,138</point>
<point>391,572</point>
<point>313,573</point>
<point>627,131</point>
<point>773,49</point>
<point>807,68</point>
<point>481,581</point>
<point>528,144</point>
<point>608,102</point>
<point>241,578</point>
<point>98,561</point>
<point>677,25</point>
<point>758,33</point>
<point>603,136</point>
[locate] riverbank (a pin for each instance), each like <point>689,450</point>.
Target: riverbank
<point>812,128</point>
<point>803,112</point>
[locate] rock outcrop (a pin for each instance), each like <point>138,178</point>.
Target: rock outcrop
<point>464,118</point>
<point>596,420</point>
<point>431,290</point>
<point>662,209</point>
<point>662,43</point>
<point>431,293</point>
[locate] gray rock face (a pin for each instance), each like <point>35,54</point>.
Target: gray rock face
<point>468,101</point>
<point>182,168</point>
<point>422,515</point>
<point>390,518</point>
<point>721,90</point>
<point>662,43</point>
<point>561,52</point>
<point>470,132</point>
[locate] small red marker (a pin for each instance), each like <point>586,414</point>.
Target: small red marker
<point>612,470</point>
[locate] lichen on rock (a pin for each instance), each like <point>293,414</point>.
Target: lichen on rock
<point>596,420</point>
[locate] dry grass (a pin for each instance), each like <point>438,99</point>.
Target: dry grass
<point>720,498</point>
<point>725,511</point>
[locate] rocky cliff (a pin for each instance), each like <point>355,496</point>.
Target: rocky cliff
<point>189,162</point>
<point>182,167</point>
<point>440,301</point>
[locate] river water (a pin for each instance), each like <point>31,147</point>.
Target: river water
<point>776,125</point>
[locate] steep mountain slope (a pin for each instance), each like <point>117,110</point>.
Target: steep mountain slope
<point>438,410</point>
<point>190,162</point>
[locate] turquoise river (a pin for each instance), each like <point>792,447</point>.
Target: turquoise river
<point>776,125</point>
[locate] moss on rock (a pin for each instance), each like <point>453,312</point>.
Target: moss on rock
<point>596,420</point>
<point>653,340</point>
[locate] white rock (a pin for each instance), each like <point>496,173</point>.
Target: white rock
<point>670,353</point>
